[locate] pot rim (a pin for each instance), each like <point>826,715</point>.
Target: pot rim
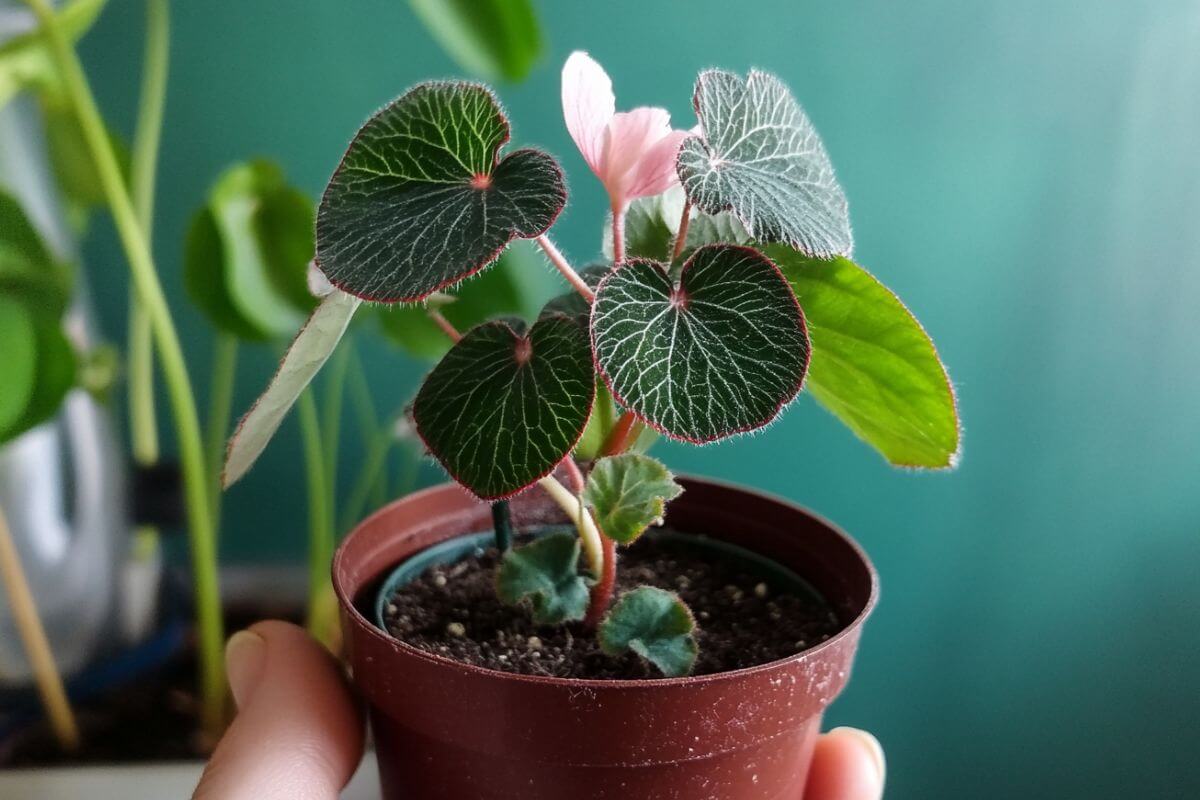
<point>594,684</point>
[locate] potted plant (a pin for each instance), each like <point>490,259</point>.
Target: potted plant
<point>568,617</point>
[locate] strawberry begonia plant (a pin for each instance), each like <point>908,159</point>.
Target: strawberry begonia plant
<point>727,289</point>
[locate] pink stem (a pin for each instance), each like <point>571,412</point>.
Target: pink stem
<point>602,592</point>
<point>618,223</point>
<point>681,237</point>
<point>560,263</point>
<point>618,437</point>
<point>573,474</point>
<point>445,325</point>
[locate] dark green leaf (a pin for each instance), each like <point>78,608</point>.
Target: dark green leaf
<point>546,571</point>
<point>657,626</point>
<point>503,408</point>
<point>718,353</point>
<point>247,253</point>
<point>25,59</point>
<point>629,493</point>
<point>55,375</point>
<point>494,39</point>
<point>873,365</point>
<point>760,158</point>
<point>572,303</point>
<point>422,199</point>
<point>496,291</point>
<point>27,269</point>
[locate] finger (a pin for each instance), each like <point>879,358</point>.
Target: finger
<point>848,765</point>
<point>298,734</point>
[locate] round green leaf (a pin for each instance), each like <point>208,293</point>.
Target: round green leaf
<point>717,353</point>
<point>873,365</point>
<point>761,158</point>
<point>18,367</point>
<point>629,493</point>
<point>503,408</point>
<point>422,198</point>
<point>656,625</point>
<point>547,572</point>
<point>492,38</point>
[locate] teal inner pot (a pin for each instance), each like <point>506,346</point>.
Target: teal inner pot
<point>777,576</point>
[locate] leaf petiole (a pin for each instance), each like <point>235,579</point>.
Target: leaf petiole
<point>681,237</point>
<point>562,265</point>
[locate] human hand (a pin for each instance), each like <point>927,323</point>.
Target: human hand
<point>298,734</point>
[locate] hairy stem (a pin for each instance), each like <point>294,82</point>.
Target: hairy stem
<point>320,518</point>
<point>619,437</point>
<point>220,404</point>
<point>562,265</point>
<point>602,592</point>
<point>618,234</point>
<point>681,237</point>
<point>170,354</point>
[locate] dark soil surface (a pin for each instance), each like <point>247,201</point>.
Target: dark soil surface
<point>743,621</point>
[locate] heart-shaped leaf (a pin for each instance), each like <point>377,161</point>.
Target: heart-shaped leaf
<point>504,407</point>
<point>628,494</point>
<point>501,290</point>
<point>760,158</point>
<point>656,625</point>
<point>422,198</point>
<point>546,571</point>
<point>247,253</point>
<point>873,365</point>
<point>719,352</point>
<point>307,354</point>
<point>492,38</point>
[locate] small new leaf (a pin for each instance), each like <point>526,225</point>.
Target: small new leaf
<point>718,352</point>
<point>873,365</point>
<point>761,159</point>
<point>657,626</point>
<point>629,493</point>
<point>504,407</point>
<point>422,198</point>
<point>546,571</point>
<point>307,354</point>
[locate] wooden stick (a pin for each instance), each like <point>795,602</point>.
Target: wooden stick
<point>33,637</point>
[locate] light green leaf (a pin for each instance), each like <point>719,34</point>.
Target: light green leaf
<point>422,198</point>
<point>873,365</point>
<point>657,626</point>
<point>307,354</point>
<point>247,253</point>
<point>26,61</point>
<point>600,424</point>
<point>493,39</point>
<point>546,572</point>
<point>18,367</point>
<point>27,269</point>
<point>629,493</point>
<point>505,406</point>
<point>498,291</point>
<point>761,158</point>
<point>717,352</point>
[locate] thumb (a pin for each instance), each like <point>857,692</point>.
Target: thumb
<point>298,734</point>
<point>848,764</point>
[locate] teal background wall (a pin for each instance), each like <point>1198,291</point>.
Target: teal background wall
<point>1025,173</point>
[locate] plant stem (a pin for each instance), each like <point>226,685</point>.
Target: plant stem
<point>681,237</point>
<point>331,423</point>
<point>618,234</point>
<point>502,525</point>
<point>37,647</point>
<point>170,354</point>
<point>320,521</point>
<point>589,534</point>
<point>445,325</point>
<point>368,478</point>
<point>220,404</point>
<point>143,418</point>
<point>368,422</point>
<point>602,592</point>
<point>562,265</point>
<point>573,473</point>
<point>619,438</point>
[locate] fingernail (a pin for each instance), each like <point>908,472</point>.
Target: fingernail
<point>872,746</point>
<point>245,654</point>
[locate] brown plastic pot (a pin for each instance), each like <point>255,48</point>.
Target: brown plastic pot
<point>453,731</point>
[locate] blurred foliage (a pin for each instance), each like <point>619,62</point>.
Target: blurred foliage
<point>493,39</point>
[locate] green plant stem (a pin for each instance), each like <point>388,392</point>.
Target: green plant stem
<point>220,404</point>
<point>367,479</point>
<point>320,515</point>
<point>170,353</point>
<point>143,417</point>
<point>331,422</point>
<point>368,424</point>
<point>502,525</point>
